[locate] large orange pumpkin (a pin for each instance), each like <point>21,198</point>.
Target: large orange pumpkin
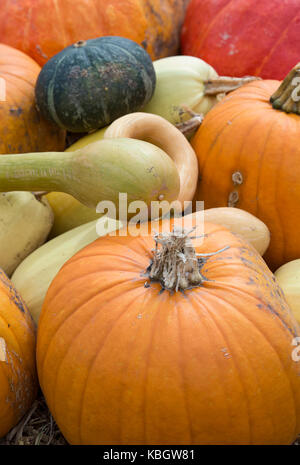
<point>155,24</point>
<point>249,157</point>
<point>18,382</point>
<point>121,362</point>
<point>22,127</point>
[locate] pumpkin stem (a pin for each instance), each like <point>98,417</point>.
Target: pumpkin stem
<point>223,84</point>
<point>176,265</point>
<point>287,98</point>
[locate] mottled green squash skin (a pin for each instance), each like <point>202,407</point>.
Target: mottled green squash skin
<point>91,83</point>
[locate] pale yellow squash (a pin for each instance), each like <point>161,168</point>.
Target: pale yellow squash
<point>288,277</point>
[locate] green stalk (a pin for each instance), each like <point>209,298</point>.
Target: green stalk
<point>99,171</point>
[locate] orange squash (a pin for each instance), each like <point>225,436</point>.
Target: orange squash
<point>155,24</point>
<point>121,362</point>
<point>22,127</point>
<point>18,382</point>
<point>249,157</point>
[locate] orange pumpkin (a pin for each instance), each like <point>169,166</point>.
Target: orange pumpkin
<point>155,24</point>
<point>18,383</point>
<point>22,127</point>
<point>121,362</point>
<point>249,157</point>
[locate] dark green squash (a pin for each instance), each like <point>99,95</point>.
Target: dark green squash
<point>91,83</point>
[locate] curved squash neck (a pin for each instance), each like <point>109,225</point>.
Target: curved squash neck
<point>35,171</point>
<point>287,96</point>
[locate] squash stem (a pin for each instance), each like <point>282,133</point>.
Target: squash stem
<point>287,96</point>
<point>34,171</point>
<point>189,127</point>
<point>224,84</point>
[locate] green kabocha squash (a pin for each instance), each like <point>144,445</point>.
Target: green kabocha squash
<point>91,83</point>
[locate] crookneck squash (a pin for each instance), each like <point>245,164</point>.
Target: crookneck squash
<point>18,381</point>
<point>23,129</point>
<point>69,212</point>
<point>249,157</point>
<point>169,340</point>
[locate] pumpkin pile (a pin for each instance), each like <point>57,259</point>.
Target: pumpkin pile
<point>145,203</point>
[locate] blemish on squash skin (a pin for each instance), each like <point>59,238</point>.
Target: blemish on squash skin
<point>38,47</point>
<point>13,293</point>
<point>233,199</point>
<point>16,111</point>
<point>225,352</point>
<point>3,353</point>
<point>237,178</point>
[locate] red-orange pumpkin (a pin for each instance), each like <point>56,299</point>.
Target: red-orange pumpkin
<point>244,37</point>
<point>22,127</point>
<point>249,157</point>
<point>18,382</point>
<point>121,362</point>
<point>42,28</point>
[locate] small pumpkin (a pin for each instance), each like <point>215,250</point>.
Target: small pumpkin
<point>288,277</point>
<point>23,129</point>
<point>249,157</point>
<point>196,365</point>
<point>154,24</point>
<point>18,380</point>
<point>243,37</point>
<point>91,83</point>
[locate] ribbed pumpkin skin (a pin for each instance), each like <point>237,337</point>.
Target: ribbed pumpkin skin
<point>224,33</point>
<point>22,127</point>
<point>121,363</point>
<point>24,24</point>
<point>87,87</point>
<point>18,381</point>
<point>244,134</point>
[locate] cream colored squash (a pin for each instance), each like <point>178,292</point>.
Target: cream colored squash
<point>288,277</point>
<point>180,84</point>
<point>243,223</point>
<point>187,85</point>
<point>25,222</point>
